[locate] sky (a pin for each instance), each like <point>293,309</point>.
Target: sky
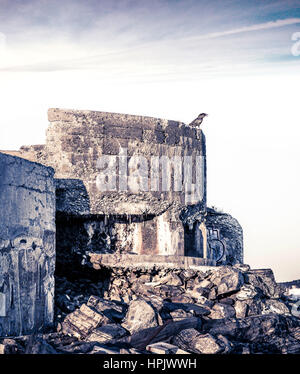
<point>238,61</point>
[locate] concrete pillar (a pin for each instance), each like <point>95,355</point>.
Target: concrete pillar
<point>27,246</point>
<point>203,230</point>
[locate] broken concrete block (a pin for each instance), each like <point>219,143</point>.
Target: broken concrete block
<point>81,322</point>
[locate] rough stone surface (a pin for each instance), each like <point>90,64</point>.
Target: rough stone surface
<point>27,246</point>
<point>275,306</point>
<point>111,309</point>
<point>227,280</point>
<point>147,261</point>
<point>140,315</point>
<point>106,333</point>
<point>247,291</point>
<point>264,280</point>
<point>220,311</point>
<point>193,341</point>
<point>99,133</point>
<point>81,322</point>
<point>241,309</point>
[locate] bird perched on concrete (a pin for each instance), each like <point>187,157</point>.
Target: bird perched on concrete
<point>197,122</point>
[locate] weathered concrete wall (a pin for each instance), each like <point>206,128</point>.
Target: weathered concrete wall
<point>224,234</point>
<point>27,245</point>
<point>76,140</point>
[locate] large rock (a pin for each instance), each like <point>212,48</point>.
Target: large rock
<point>199,292</point>
<point>80,347</point>
<point>247,291</point>
<point>193,341</point>
<point>169,329</point>
<point>106,333</point>
<point>250,329</point>
<point>220,311</point>
<point>140,316</point>
<point>155,301</point>
<point>227,280</point>
<point>170,292</point>
<point>274,306</point>
<point>254,306</point>
<point>81,322</point>
<point>242,267</point>
<point>112,310</point>
<point>180,314</point>
<point>205,302</point>
<point>170,279</point>
<point>189,274</point>
<point>264,280</point>
<point>241,309</point>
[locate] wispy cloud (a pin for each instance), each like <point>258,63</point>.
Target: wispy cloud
<point>256,27</point>
<point>134,39</point>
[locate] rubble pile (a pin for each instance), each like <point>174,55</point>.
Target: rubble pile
<point>226,309</point>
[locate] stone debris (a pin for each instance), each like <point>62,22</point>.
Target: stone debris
<point>38,345</point>
<point>218,310</point>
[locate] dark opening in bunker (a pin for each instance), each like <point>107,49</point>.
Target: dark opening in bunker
<point>193,241</point>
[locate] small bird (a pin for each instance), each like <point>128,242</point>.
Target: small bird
<point>197,122</point>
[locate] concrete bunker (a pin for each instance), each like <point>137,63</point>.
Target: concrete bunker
<point>167,220</point>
